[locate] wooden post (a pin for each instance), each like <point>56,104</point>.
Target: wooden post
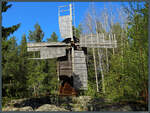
<point>58,70</point>
<point>95,67</point>
<point>113,39</point>
<point>72,39</point>
<point>96,75</point>
<point>107,65</point>
<point>101,69</point>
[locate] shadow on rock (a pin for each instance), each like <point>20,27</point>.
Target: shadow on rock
<point>34,102</point>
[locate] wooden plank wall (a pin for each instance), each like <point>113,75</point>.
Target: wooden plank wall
<point>80,70</point>
<point>65,68</point>
<point>52,52</point>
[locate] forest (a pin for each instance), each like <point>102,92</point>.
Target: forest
<point>124,77</point>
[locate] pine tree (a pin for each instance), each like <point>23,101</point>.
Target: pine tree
<point>53,38</point>
<point>128,76</point>
<point>23,65</point>
<point>138,32</point>
<point>36,35</point>
<point>9,57</point>
<point>51,80</point>
<point>10,68</point>
<point>9,30</point>
<point>36,72</point>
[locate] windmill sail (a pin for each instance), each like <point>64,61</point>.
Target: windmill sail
<point>48,50</point>
<point>52,52</point>
<point>65,26</point>
<point>94,41</point>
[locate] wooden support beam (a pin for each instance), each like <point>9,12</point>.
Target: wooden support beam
<point>95,67</point>
<point>46,44</point>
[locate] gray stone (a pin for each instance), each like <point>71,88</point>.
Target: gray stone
<point>27,108</point>
<point>10,109</point>
<point>48,107</point>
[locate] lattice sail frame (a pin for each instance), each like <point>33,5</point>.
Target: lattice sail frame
<point>98,41</point>
<point>65,22</point>
<point>48,50</point>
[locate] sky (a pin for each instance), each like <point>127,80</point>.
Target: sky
<point>46,15</point>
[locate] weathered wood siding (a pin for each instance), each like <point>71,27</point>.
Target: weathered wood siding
<point>65,68</point>
<point>52,52</point>
<point>33,49</point>
<point>80,70</point>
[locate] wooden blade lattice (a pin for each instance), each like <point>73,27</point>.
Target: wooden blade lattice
<point>65,26</point>
<point>94,41</point>
<point>48,50</point>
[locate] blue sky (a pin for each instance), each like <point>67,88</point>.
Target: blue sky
<point>45,14</point>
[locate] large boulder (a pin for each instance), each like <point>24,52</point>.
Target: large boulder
<point>27,108</point>
<point>48,107</point>
<point>10,109</point>
<point>81,99</point>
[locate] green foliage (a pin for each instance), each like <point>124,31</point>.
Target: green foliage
<point>77,31</point>
<point>128,75</point>
<point>9,58</point>
<point>91,90</point>
<point>23,47</point>
<point>42,73</point>
<point>10,65</point>
<point>23,64</point>
<point>51,80</point>
<point>53,38</point>
<point>8,31</point>
<point>35,79</point>
<point>127,78</point>
<point>5,6</point>
<point>36,35</point>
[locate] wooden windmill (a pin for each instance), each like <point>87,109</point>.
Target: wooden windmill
<point>70,53</point>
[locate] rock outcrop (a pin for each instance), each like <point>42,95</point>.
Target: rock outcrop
<point>27,108</point>
<point>81,103</point>
<point>48,107</point>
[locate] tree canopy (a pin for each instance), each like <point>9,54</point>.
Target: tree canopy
<point>36,35</point>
